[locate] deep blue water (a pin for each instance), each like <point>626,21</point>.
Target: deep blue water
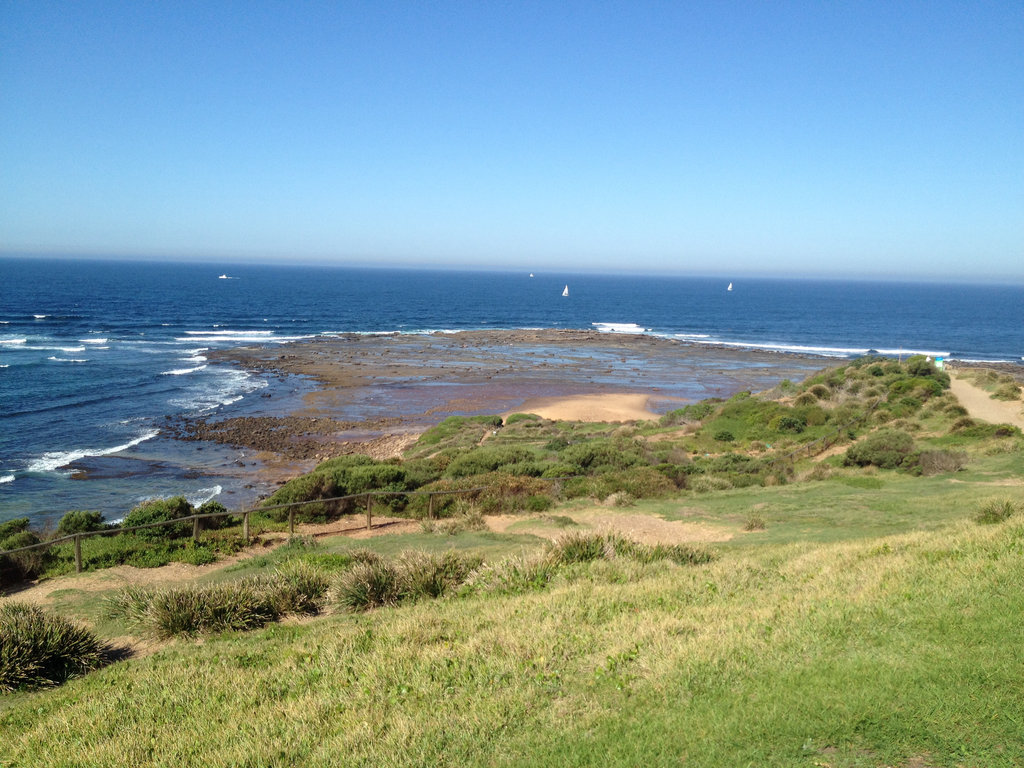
<point>94,355</point>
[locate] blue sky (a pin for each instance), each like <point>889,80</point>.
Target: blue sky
<point>862,139</point>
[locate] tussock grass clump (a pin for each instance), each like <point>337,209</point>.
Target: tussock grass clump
<point>296,587</point>
<point>512,575</point>
<point>422,575</point>
<point>193,610</point>
<point>754,522</point>
<point>38,649</point>
<point>996,511</point>
<point>368,585</point>
<point>580,547</point>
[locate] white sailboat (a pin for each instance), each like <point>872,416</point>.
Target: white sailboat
<point>565,291</point>
<point>729,288</point>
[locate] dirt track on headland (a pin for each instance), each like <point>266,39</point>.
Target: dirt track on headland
<point>980,405</point>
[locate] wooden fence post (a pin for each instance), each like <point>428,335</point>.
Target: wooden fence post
<point>245,526</point>
<point>369,511</point>
<point>195,528</point>
<point>78,553</point>
<point>430,506</point>
<point>291,522</point>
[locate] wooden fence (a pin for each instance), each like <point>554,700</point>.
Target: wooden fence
<point>196,518</point>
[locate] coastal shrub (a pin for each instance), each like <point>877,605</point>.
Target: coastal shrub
<point>11,527</point>
<point>80,521</point>
<point>210,507</point>
<point>1008,390</point>
<point>21,566</point>
<point>562,469</point>
<point>820,391</point>
<point>996,510</point>
<point>517,418</point>
<point>805,398</point>
<point>601,455</point>
<point>708,483</point>
<point>724,436</point>
<point>940,462</point>
<point>638,482</point>
<point>886,449</point>
<point>39,649</point>
<point>487,459</point>
<point>159,510</point>
<point>689,413</point>
<point>539,502</point>
<point>787,424</point>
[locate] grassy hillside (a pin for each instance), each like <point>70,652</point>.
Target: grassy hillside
<point>852,615</point>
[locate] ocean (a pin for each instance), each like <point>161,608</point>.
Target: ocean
<point>96,355</point>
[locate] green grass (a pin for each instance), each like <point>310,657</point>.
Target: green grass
<point>870,652</point>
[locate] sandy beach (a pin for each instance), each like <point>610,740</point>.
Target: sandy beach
<point>375,393</point>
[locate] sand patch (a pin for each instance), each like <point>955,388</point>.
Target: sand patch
<point>605,407</point>
<point>648,529</point>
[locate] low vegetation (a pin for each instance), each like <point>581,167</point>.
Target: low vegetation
<point>38,649</point>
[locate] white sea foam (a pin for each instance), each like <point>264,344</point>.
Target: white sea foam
<point>193,359</point>
<point>4,365</point>
<point>202,495</point>
<point>40,317</point>
<point>183,371</point>
<point>982,360</point>
<point>234,337</point>
<point>6,479</point>
<point>50,347</point>
<point>687,336</point>
<point>53,460</point>
<point>68,359</point>
<point>12,342</point>
<point>210,392</point>
<point>93,341</point>
<point>620,328</point>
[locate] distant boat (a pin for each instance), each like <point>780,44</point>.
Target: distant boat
<point>565,291</point>
<point>729,288</point>
<point>531,274</point>
<point>224,277</point>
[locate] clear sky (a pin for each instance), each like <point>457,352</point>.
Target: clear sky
<point>757,138</point>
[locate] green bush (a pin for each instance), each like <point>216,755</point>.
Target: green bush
<point>539,502</point>
<point>1008,390</point>
<point>159,510</point>
<point>21,566</point>
<point>210,507</point>
<point>11,527</point>
<point>80,521</point>
<point>38,649</point>
<point>886,449</point>
<point>724,436</point>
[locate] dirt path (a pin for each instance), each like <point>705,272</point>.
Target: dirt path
<point>980,405</point>
<point>648,529</point>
